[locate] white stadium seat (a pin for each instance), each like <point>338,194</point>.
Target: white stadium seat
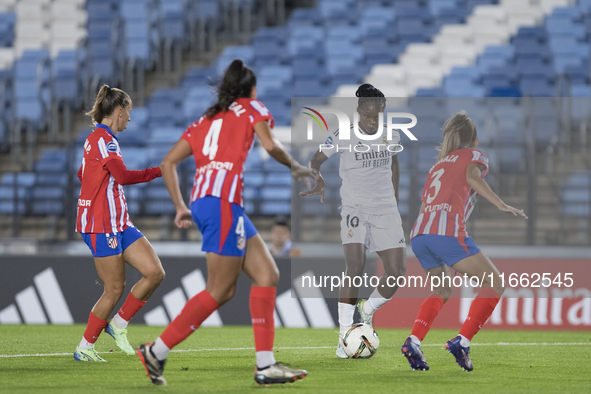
<point>68,12</point>
<point>7,5</point>
<point>26,44</point>
<point>7,56</point>
<point>548,5</point>
<point>30,11</point>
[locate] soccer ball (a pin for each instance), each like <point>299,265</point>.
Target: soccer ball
<point>361,341</point>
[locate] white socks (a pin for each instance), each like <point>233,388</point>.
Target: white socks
<point>375,302</point>
<point>84,344</point>
<point>119,322</point>
<point>160,350</point>
<point>415,340</point>
<point>265,358</point>
<point>346,312</point>
<point>465,342</point>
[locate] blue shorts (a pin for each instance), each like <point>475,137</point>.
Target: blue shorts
<point>225,226</point>
<point>111,244</point>
<point>438,250</point>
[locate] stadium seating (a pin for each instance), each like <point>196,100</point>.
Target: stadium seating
<point>486,54</point>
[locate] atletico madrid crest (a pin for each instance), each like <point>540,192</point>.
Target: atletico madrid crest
<point>112,242</point>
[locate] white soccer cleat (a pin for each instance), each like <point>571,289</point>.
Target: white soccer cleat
<point>366,318</point>
<point>341,348</point>
<point>278,373</point>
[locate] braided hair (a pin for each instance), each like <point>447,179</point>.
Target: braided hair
<point>367,93</point>
<point>238,82</point>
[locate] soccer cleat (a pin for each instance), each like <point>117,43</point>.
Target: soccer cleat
<point>120,336</point>
<point>341,348</point>
<point>87,355</point>
<point>414,355</point>
<point>278,373</point>
<point>154,367</point>
<point>460,353</point>
<point>365,317</point>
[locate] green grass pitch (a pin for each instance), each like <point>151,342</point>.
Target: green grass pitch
<point>221,360</point>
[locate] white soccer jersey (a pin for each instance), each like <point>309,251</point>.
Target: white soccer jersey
<point>366,171</point>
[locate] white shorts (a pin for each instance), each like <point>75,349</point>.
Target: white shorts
<point>376,232</point>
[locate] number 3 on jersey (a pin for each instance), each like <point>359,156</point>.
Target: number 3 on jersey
<point>436,184</point>
<point>210,145</point>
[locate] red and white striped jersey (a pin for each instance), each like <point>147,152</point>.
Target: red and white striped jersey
<point>101,206</point>
<point>448,198</point>
<point>220,146</point>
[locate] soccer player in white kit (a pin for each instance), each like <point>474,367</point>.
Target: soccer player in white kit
<point>370,217</point>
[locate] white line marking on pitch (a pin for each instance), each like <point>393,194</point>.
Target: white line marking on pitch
<point>310,347</point>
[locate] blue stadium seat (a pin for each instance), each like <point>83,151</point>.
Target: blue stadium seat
<point>536,87</point>
<point>254,179</point>
<point>246,53</point>
<point>305,16</point>
<point>65,76</point>
<point>583,90</point>
<point>7,24</point>
<point>165,135</point>
<point>198,76</point>
<point>172,22</point>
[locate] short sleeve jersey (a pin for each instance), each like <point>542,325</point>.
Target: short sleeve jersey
<point>102,207</point>
<point>366,170</point>
<point>220,145</point>
<point>448,198</point>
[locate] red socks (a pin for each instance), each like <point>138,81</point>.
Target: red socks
<point>130,307</point>
<point>94,328</point>
<point>262,305</point>
<point>427,314</point>
<point>195,311</point>
<point>480,310</point>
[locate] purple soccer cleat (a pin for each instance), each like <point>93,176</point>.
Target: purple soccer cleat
<point>460,353</point>
<point>414,355</point>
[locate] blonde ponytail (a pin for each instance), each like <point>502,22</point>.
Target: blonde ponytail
<point>458,131</point>
<point>107,99</point>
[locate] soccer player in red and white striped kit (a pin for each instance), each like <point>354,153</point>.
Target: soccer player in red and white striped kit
<point>103,222</point>
<point>440,241</point>
<point>220,141</point>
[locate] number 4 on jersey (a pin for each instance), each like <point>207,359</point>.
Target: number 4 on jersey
<point>210,145</point>
<point>240,227</point>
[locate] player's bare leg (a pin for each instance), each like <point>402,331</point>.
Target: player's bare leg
<point>481,266</point>
<point>142,257</point>
<point>222,276</point>
<point>260,266</point>
<point>111,271</point>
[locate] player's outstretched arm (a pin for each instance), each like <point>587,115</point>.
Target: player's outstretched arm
<point>278,152</point>
<point>123,176</point>
<point>315,163</point>
<point>179,152</point>
<point>474,178</point>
